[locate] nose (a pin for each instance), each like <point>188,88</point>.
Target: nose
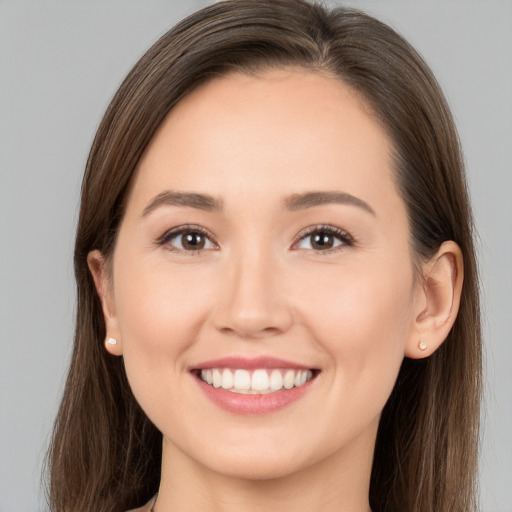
<point>253,302</point>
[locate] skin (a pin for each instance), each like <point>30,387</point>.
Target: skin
<point>259,288</point>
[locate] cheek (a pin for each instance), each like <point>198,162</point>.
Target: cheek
<point>160,313</point>
<point>362,325</point>
<point>360,305</point>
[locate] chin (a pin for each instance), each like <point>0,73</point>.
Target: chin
<point>257,467</point>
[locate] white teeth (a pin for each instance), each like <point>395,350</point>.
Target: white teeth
<point>242,380</point>
<point>227,379</point>
<point>261,380</point>
<point>207,376</point>
<point>289,379</point>
<point>276,380</point>
<point>217,378</point>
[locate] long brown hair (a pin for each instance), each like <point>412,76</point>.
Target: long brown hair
<point>105,454</point>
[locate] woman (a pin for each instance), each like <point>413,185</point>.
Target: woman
<point>275,235</point>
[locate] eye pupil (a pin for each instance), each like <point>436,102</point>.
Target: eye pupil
<point>193,241</point>
<point>322,241</point>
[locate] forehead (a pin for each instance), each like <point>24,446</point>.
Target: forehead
<point>286,131</point>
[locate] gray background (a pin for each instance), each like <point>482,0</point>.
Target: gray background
<point>60,63</point>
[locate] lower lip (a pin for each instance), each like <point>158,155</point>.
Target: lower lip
<point>240,403</point>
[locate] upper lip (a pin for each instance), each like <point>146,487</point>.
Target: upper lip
<point>249,363</point>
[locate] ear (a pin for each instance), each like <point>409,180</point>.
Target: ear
<point>103,282</point>
<point>437,301</point>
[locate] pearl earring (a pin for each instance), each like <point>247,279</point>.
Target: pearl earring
<point>111,341</point>
<point>422,345</point>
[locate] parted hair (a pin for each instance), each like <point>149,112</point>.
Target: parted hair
<point>105,454</point>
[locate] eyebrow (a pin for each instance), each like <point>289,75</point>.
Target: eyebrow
<point>310,199</point>
<point>293,203</point>
<point>190,199</point>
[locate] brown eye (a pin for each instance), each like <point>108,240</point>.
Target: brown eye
<point>324,239</point>
<point>193,241</point>
<point>188,240</point>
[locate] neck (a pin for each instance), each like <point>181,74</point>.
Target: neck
<point>338,483</point>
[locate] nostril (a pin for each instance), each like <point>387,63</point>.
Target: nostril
<point>258,322</point>
<point>251,304</point>
<point>250,333</point>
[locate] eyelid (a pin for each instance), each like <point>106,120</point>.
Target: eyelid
<point>184,228</point>
<point>346,238</point>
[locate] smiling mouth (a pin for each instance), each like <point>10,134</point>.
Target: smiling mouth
<point>255,382</point>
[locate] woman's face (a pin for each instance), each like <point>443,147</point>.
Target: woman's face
<point>264,235</point>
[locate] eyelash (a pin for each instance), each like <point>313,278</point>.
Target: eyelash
<point>182,230</point>
<point>345,238</point>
